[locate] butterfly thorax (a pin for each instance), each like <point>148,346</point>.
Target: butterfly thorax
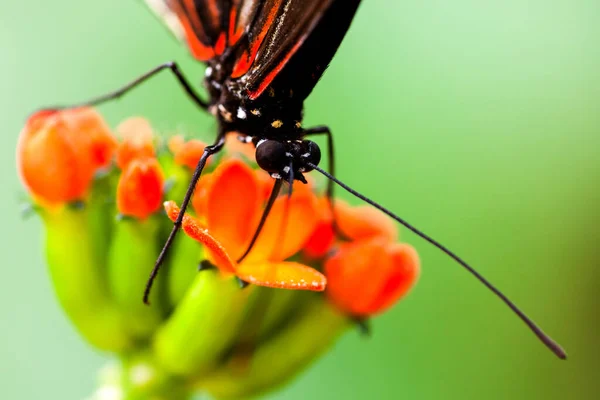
<point>272,122</point>
<point>274,115</point>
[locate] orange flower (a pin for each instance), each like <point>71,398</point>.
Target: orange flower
<point>137,140</point>
<point>368,276</point>
<point>233,205</point>
<point>94,138</point>
<point>186,153</point>
<point>354,223</point>
<point>140,188</point>
<point>59,152</point>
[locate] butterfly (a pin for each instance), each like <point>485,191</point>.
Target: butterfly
<point>263,58</point>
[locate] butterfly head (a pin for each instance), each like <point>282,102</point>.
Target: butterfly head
<point>282,158</point>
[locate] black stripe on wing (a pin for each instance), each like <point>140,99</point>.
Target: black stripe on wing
<point>302,39</point>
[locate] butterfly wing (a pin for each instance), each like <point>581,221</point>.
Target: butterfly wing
<point>207,26</point>
<point>299,46</point>
<point>292,41</point>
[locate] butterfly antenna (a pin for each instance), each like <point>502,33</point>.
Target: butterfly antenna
<point>544,338</point>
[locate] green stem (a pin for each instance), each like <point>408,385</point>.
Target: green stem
<point>79,278</point>
<point>205,323</point>
<point>132,254</point>
<point>182,267</point>
<point>283,356</point>
<point>183,259</point>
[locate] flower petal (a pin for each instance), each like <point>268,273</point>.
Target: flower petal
<point>200,196</point>
<point>140,188</point>
<point>369,276</point>
<point>323,237</point>
<point>403,274</point>
<point>364,222</point>
<point>194,229</point>
<point>288,227</point>
<point>91,133</point>
<point>186,153</point>
<point>59,151</point>
<point>283,275</point>
<point>137,140</point>
<point>233,205</point>
<point>265,182</point>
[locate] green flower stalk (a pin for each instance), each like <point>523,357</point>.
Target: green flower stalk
<point>212,304</point>
<point>186,255</point>
<point>101,201</point>
<point>79,280</point>
<point>320,322</point>
<point>133,250</point>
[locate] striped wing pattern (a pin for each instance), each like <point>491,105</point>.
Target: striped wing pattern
<point>263,34</point>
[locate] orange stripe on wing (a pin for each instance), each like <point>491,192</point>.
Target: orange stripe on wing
<point>192,14</point>
<point>213,10</point>
<point>245,62</point>
<point>235,32</point>
<point>198,49</point>
<point>253,94</point>
<point>220,44</point>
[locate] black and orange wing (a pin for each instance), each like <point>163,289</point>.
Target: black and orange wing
<point>302,60</point>
<point>265,36</point>
<point>207,26</point>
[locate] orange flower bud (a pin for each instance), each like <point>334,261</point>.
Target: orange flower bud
<point>321,240</point>
<point>353,222</point>
<point>186,153</point>
<point>364,222</point>
<point>92,133</point>
<point>59,151</point>
<point>140,188</point>
<point>323,237</point>
<point>200,197</point>
<point>137,135</point>
<point>367,277</point>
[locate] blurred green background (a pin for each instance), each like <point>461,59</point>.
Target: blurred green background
<point>477,121</point>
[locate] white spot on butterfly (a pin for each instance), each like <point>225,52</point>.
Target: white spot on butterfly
<point>241,113</point>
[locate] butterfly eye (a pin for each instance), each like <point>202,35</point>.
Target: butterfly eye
<point>272,156</point>
<point>311,153</point>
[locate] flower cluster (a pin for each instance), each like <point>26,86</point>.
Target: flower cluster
<point>103,200</point>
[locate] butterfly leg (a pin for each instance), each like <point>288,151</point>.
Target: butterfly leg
<point>171,66</point>
<point>208,151</point>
